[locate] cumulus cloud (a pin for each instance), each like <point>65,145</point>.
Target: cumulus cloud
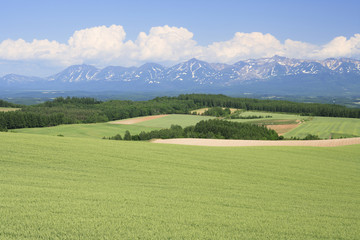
<point>244,46</point>
<point>37,49</point>
<point>108,45</point>
<point>340,47</point>
<point>166,44</point>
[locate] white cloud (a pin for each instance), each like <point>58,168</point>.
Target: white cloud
<point>108,45</point>
<point>297,49</point>
<point>166,44</point>
<point>244,46</point>
<point>37,49</point>
<point>340,47</point>
<point>102,42</point>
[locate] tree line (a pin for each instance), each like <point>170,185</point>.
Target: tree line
<point>89,110</point>
<point>8,104</point>
<point>306,109</point>
<point>213,128</point>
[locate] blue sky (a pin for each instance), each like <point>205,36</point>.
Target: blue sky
<point>216,31</point>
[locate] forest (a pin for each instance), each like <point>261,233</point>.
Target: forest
<point>89,110</point>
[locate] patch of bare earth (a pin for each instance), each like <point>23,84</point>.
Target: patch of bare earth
<point>283,128</point>
<point>245,143</point>
<point>138,119</point>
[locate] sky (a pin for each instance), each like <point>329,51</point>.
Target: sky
<point>40,38</point>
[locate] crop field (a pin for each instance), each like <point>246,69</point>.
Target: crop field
<point>179,119</point>
<point>6,109</point>
<point>326,127</point>
<point>274,116</point>
<point>100,130</point>
<point>83,188</point>
<point>95,130</point>
<point>202,110</point>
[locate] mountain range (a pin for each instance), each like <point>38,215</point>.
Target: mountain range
<point>265,75</point>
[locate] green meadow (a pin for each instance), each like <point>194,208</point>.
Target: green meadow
<point>93,130</point>
<point>83,188</point>
<point>324,127</point>
<point>183,120</point>
<point>99,130</point>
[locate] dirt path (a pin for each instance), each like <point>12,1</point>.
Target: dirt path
<point>243,143</point>
<point>137,120</point>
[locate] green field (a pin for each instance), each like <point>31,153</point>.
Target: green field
<point>99,130</point>
<point>83,188</point>
<point>179,119</point>
<point>274,116</point>
<point>94,130</point>
<point>326,127</point>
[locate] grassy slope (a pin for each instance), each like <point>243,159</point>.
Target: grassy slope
<point>100,130</point>
<point>180,119</point>
<point>321,126</point>
<point>72,188</point>
<point>275,116</point>
<point>326,126</point>
<point>97,130</point>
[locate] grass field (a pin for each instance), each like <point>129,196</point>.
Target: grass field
<point>95,130</point>
<point>82,188</point>
<point>179,119</point>
<point>100,130</point>
<point>6,109</point>
<point>274,116</point>
<point>325,127</point>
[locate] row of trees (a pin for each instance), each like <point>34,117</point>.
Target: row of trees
<point>8,104</point>
<point>213,128</point>
<point>217,112</point>
<point>18,119</point>
<point>89,110</point>
<point>310,109</point>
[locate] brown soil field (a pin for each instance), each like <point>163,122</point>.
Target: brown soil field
<point>281,129</point>
<point>244,143</point>
<point>137,120</point>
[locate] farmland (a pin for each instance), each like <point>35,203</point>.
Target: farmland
<point>71,188</point>
<point>324,127</point>
<point>7,109</point>
<point>93,130</point>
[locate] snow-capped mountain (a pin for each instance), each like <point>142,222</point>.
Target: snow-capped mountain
<point>342,73</point>
<point>75,73</point>
<point>195,71</point>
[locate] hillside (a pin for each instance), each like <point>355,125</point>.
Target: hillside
<point>71,188</point>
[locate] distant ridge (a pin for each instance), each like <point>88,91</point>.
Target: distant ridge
<point>258,75</point>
